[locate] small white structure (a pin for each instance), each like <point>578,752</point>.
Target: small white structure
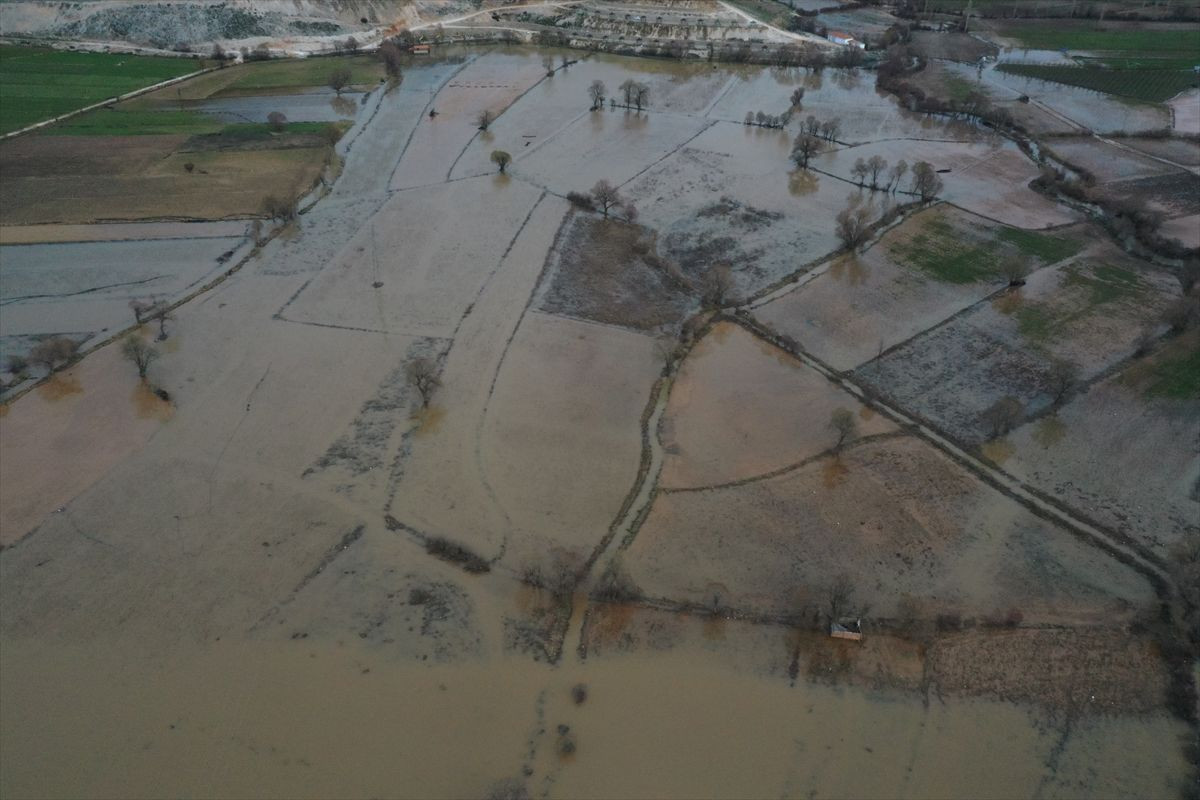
<point>845,39</point>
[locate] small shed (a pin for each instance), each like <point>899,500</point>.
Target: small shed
<point>846,630</point>
<point>845,39</point>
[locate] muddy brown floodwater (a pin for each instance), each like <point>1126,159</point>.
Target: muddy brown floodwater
<point>304,719</point>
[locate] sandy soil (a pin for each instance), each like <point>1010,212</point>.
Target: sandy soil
<point>739,408</point>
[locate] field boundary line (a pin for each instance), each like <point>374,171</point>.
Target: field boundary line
<point>1115,544</point>
<point>104,103</point>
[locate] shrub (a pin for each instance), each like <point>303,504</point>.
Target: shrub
<point>447,550</point>
<point>580,200</point>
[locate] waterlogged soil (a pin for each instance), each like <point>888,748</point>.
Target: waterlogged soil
<point>314,718</point>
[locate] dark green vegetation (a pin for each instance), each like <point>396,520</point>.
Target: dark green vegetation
<point>1152,85</point>
<point>949,253</point>
<point>37,83</point>
<point>1177,376</point>
<point>1182,42</point>
<point>123,121</point>
<point>1089,289</point>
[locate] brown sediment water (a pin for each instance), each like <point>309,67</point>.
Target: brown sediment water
<point>148,405</point>
<point>62,385</point>
<point>332,718</point>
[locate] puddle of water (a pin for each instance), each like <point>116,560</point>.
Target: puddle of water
<point>64,384</point>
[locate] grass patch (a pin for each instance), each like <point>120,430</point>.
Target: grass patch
<point>1106,284</point>
<point>1151,85</point>
<point>270,77</point>
<point>951,254</point>
<point>1177,377</point>
<point>1045,247</point>
<point>39,83</point>
<point>1095,286</point>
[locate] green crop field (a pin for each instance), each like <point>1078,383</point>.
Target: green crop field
<point>1151,85</point>
<point>948,254</point>
<point>37,83</point>
<point>1183,40</point>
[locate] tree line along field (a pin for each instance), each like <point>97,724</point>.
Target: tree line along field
<point>1153,85</point>
<point>37,83</point>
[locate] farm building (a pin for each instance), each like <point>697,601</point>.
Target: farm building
<point>846,39</point>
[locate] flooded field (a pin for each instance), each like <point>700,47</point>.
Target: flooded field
<point>666,443</point>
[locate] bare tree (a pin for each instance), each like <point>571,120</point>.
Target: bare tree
<point>627,89</point>
<point>339,79</point>
<point>749,118</point>
<point>852,224</point>
<point>805,147</point>
<point>548,65</point>
<point>277,120</point>
<point>484,119</point>
<point>279,209</point>
<point>605,196</point>
<point>812,125</point>
<point>393,58</point>
<point>160,313</point>
<point>1062,378</point>
<point>17,364</point>
<point>641,95</point>
<point>596,92</point>
<point>218,55</point>
<point>136,349</point>
<point>797,97</point>
<point>422,374</point>
<point>830,129</point>
<point>629,211</point>
<point>842,422</point>
<point>1015,270</point>
<point>859,171</point>
<point>875,165</point>
<point>839,597</point>
<point>350,45</point>
<point>925,181</point>
<point>1182,313</point>
<point>718,283</point>
<point>896,173</point>
<point>1003,415</point>
<point>501,159</point>
<point>49,353</point>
